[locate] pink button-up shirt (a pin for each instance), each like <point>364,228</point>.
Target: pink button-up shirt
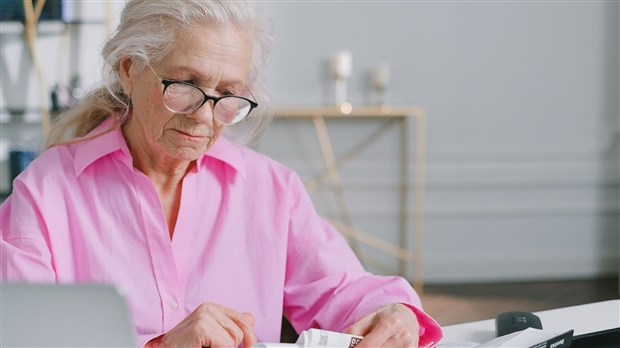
<point>247,237</point>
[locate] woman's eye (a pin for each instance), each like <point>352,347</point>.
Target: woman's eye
<point>227,93</point>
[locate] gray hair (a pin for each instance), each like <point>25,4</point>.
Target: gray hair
<point>146,34</point>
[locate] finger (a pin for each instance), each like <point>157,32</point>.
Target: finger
<point>223,337</point>
<point>249,338</point>
<point>235,328</point>
<point>218,329</point>
<point>244,322</point>
<point>249,318</point>
<point>362,326</point>
<point>377,336</point>
<point>408,340</point>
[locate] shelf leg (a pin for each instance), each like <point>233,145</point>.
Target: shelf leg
<point>333,173</point>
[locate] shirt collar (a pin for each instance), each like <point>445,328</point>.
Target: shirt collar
<point>226,151</point>
<point>112,140</point>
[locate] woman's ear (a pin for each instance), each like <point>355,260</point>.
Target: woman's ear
<point>124,72</point>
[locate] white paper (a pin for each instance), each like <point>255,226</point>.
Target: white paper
<point>317,338</point>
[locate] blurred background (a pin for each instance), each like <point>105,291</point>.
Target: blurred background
<point>522,160</point>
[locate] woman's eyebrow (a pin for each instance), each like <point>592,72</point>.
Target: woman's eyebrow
<point>182,70</point>
<point>191,74</point>
<point>235,85</point>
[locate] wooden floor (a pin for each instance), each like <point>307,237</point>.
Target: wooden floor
<point>459,303</point>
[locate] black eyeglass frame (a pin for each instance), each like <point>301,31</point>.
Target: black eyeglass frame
<point>167,83</point>
<point>207,97</point>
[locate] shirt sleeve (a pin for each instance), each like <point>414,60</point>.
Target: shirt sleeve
<point>24,251</point>
<point>326,286</point>
<point>147,341</point>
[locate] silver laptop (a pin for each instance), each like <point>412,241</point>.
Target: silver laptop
<point>80,315</point>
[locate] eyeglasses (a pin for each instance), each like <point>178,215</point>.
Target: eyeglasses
<point>184,98</point>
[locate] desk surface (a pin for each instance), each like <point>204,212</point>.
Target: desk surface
<point>583,319</point>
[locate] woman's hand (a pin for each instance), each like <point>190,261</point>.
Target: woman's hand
<point>211,325</point>
<point>394,326</point>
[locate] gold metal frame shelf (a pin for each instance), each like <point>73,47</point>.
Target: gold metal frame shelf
<point>401,116</point>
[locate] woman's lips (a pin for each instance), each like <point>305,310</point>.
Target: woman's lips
<point>193,136</point>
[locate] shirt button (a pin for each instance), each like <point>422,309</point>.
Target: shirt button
<point>173,304</point>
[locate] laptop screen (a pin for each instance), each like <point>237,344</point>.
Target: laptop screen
<point>48,315</point>
<point>600,339</point>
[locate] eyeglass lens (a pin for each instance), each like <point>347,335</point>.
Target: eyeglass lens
<point>182,98</point>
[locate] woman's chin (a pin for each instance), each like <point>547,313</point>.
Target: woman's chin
<point>188,153</point>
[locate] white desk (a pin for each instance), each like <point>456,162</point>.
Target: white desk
<point>583,319</point>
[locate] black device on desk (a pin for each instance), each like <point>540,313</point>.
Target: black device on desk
<point>600,339</point>
<point>509,322</point>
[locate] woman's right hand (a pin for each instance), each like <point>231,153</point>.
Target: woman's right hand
<point>211,325</point>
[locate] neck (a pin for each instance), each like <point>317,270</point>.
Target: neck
<point>166,174</point>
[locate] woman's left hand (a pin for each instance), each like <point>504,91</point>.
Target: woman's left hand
<point>394,326</point>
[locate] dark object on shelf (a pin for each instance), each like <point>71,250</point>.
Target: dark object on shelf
<point>19,160</point>
<point>13,10</point>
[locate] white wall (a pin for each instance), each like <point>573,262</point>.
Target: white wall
<point>523,176</point>
<point>522,103</point>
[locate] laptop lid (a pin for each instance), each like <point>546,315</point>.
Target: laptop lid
<point>609,338</point>
<point>78,315</point>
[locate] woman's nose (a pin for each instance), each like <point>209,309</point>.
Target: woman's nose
<point>204,113</point>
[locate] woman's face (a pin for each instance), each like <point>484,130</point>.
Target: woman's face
<point>215,59</point>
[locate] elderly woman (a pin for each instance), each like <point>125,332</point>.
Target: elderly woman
<point>210,242</point>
